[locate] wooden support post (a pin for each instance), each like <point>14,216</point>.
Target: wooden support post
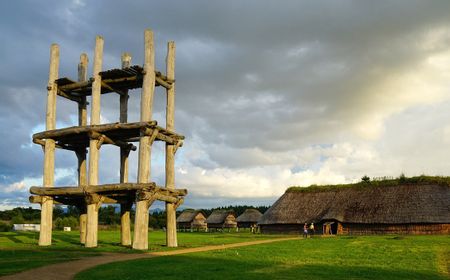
<point>140,240</point>
<point>81,153</point>
<point>125,208</point>
<point>125,223</point>
<point>45,235</point>
<point>171,233</point>
<point>92,208</point>
<point>126,62</point>
<point>82,77</point>
<point>83,221</point>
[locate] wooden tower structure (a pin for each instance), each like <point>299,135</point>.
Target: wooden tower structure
<point>87,139</point>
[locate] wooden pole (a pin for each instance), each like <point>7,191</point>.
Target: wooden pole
<point>81,153</point>
<point>140,240</point>
<point>92,207</point>
<point>171,233</point>
<point>82,77</point>
<point>126,62</point>
<point>125,208</point>
<point>45,235</point>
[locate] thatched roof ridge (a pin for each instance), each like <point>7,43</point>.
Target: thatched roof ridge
<point>418,180</point>
<point>389,204</point>
<point>218,216</point>
<point>249,216</point>
<point>188,215</point>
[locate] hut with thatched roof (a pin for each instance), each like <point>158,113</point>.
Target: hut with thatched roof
<point>419,205</point>
<point>221,219</point>
<point>249,218</point>
<point>191,219</point>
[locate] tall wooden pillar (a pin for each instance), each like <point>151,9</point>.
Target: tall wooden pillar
<point>171,234</point>
<point>45,235</point>
<point>125,208</point>
<point>81,153</point>
<point>140,240</point>
<point>93,204</point>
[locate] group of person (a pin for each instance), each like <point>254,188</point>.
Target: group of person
<point>308,230</point>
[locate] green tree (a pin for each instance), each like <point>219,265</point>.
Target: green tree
<point>5,226</point>
<point>58,212</point>
<point>18,219</point>
<point>365,179</point>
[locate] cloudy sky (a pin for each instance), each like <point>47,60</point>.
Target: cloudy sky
<point>269,94</point>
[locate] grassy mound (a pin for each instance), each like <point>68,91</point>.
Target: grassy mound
<point>418,180</point>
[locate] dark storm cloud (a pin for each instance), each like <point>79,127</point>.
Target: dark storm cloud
<point>257,81</point>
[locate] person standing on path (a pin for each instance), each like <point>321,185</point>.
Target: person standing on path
<point>311,227</point>
<point>305,230</point>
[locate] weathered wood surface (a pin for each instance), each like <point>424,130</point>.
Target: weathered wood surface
<point>101,128</point>
<point>59,145</point>
<point>66,95</point>
<point>92,208</point>
<point>88,195</point>
<point>126,61</point>
<point>45,235</point>
<point>114,80</point>
<point>171,224</point>
<point>161,136</point>
<point>140,240</point>
<point>105,139</point>
<point>80,201</point>
<point>120,134</point>
<point>125,208</point>
<point>105,188</point>
<point>148,195</point>
<point>81,152</point>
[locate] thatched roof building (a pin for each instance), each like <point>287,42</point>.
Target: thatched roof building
<point>248,218</point>
<point>192,219</point>
<point>381,207</point>
<point>222,219</point>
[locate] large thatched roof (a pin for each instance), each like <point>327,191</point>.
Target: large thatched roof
<point>188,215</point>
<point>249,216</point>
<point>372,204</point>
<point>218,216</point>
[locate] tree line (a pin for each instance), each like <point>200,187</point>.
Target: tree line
<point>108,216</point>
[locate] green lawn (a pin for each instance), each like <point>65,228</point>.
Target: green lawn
<point>365,257</point>
<point>19,250</point>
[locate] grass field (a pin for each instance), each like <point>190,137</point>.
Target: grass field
<point>347,257</point>
<point>19,250</point>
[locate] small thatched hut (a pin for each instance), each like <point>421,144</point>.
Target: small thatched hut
<point>191,219</point>
<point>221,219</point>
<point>249,218</point>
<point>392,206</point>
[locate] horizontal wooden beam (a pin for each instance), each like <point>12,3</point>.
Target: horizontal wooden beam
<point>107,140</point>
<point>64,94</point>
<point>163,83</point>
<point>81,88</point>
<point>59,146</point>
<point>79,200</point>
<point>164,77</point>
<point>160,136</point>
<point>104,84</point>
<point>143,195</point>
<point>106,188</point>
<point>49,134</point>
<point>77,85</point>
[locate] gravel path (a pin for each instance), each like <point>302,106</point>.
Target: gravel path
<point>68,270</point>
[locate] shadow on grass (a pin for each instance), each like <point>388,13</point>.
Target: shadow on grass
<point>14,239</point>
<point>191,267</point>
<point>70,239</point>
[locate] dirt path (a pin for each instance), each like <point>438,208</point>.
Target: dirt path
<point>68,270</point>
